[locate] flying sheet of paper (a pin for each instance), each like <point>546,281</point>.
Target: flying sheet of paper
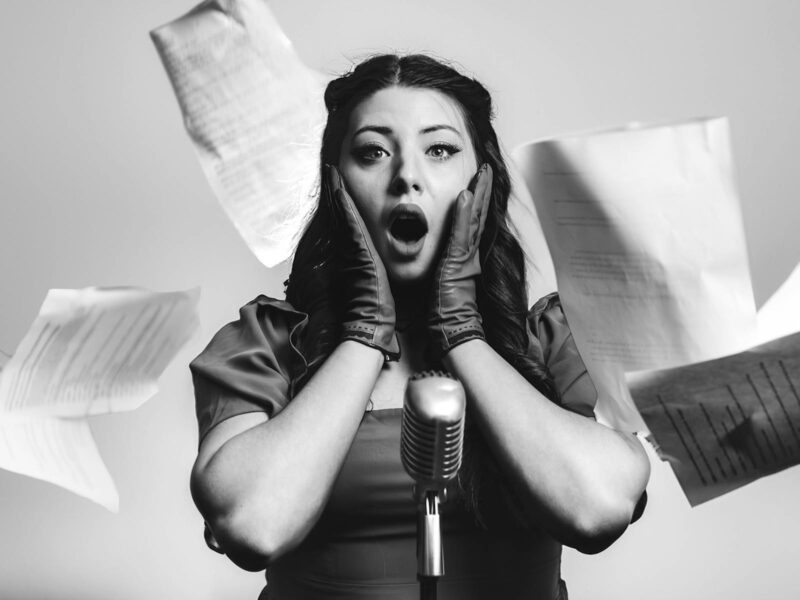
<point>60,451</point>
<point>255,114</point>
<point>645,231</point>
<point>88,352</point>
<point>724,423</point>
<point>780,315</point>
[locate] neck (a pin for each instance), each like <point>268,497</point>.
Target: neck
<point>411,304</point>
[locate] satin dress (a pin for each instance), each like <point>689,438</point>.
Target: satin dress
<point>364,544</point>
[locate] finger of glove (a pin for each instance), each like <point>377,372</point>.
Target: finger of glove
<point>329,190</point>
<point>462,221</point>
<point>332,189</point>
<point>335,181</point>
<point>347,212</point>
<point>483,195</point>
<point>353,220</point>
<point>363,254</point>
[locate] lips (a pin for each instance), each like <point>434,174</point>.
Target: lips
<point>407,229</point>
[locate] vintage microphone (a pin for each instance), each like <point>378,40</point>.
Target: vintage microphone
<point>431,445</point>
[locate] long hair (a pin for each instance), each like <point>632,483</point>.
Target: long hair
<point>312,285</point>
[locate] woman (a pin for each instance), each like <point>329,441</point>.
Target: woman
<point>407,264</point>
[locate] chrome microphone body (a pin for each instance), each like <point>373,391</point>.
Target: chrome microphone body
<point>431,447</point>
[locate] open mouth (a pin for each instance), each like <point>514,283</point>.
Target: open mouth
<point>408,223</point>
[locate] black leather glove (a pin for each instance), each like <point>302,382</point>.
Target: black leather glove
<point>369,312</point>
<point>453,317</point>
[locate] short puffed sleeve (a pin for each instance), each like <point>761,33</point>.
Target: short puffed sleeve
<point>548,324</point>
<point>248,365</point>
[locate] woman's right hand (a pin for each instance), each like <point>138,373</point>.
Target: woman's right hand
<point>369,310</point>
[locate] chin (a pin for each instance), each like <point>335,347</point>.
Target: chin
<point>409,274</point>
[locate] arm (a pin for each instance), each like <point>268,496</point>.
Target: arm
<point>259,509</point>
<point>580,480</point>
<point>262,483</point>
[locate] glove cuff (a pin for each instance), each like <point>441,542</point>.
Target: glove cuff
<point>384,341</point>
<point>446,338</point>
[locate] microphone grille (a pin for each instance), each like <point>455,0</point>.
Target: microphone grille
<point>433,428</point>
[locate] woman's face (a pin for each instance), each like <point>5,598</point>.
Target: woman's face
<point>405,157</point>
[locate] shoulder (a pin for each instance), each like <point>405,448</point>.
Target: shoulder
<point>548,323</point>
<point>264,322</point>
<point>269,315</point>
<point>553,339</point>
<point>250,364</point>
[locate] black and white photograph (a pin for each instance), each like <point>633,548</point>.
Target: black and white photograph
<point>395,300</point>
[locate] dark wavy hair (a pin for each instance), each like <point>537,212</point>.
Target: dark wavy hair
<point>312,286</point>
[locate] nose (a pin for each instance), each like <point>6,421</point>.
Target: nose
<point>406,178</point>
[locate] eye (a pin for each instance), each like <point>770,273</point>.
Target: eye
<point>443,151</point>
<point>369,153</point>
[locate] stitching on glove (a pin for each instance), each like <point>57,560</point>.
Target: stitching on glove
<point>469,326</point>
<point>464,336</point>
<point>362,335</point>
<point>357,326</point>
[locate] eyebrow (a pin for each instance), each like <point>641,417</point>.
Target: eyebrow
<point>388,130</point>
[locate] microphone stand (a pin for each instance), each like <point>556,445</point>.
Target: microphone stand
<point>431,444</point>
<point>430,557</point>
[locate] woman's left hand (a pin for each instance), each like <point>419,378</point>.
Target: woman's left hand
<point>453,317</point>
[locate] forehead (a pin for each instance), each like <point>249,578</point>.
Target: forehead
<point>408,107</point>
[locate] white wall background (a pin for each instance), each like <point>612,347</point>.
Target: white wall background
<point>100,186</point>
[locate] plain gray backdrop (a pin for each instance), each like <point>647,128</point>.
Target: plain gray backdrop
<point>100,186</point>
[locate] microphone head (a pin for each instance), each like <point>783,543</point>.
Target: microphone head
<point>432,436</point>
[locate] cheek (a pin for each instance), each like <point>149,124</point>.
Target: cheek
<point>456,177</point>
<point>361,184</point>
<point>363,189</point>
<point>440,219</point>
<point>446,193</point>
<point>447,186</point>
